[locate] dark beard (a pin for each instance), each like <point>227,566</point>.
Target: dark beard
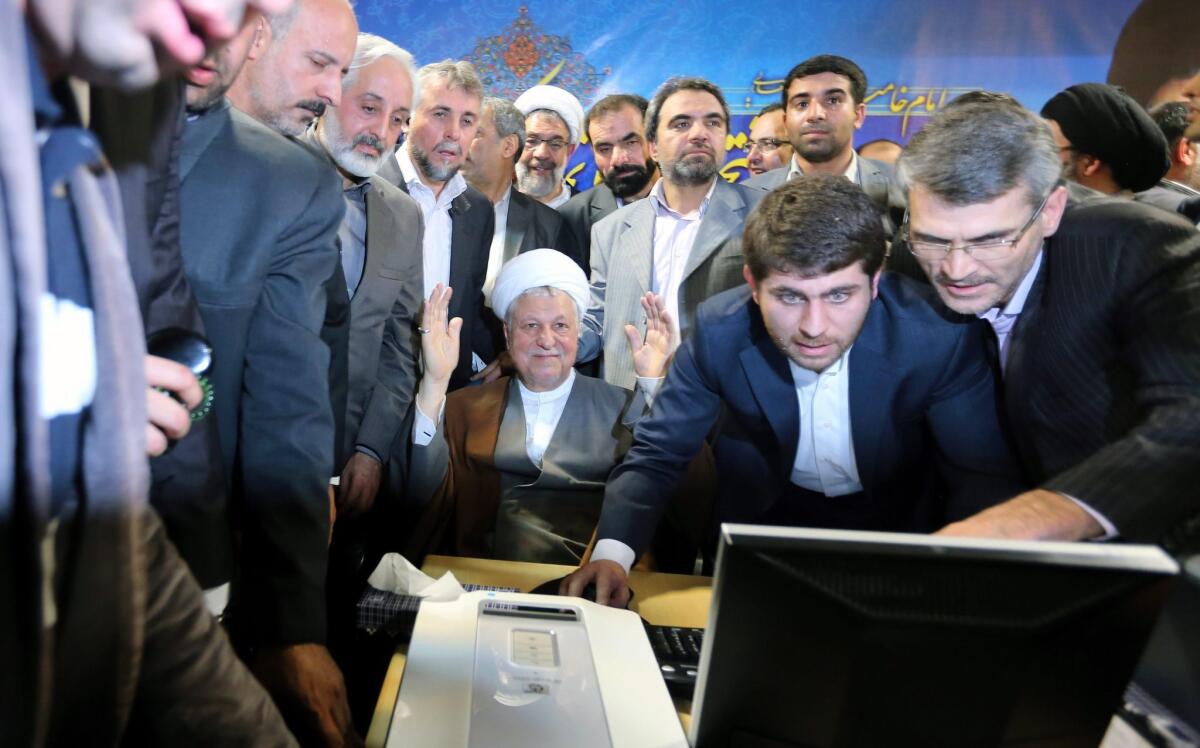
<point>628,180</point>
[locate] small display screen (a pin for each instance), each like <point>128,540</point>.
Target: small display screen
<point>534,649</point>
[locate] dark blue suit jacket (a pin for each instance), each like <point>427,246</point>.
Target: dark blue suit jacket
<point>924,418</point>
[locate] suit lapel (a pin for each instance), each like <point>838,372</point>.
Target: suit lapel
<point>1019,338</point>
<point>638,244</point>
<point>603,202</point>
<point>774,390</point>
<point>518,223</point>
<point>873,181</point>
<point>871,382</point>
<point>461,253</point>
<point>199,134</point>
<point>725,212</point>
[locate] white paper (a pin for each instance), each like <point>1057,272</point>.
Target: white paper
<point>395,574</point>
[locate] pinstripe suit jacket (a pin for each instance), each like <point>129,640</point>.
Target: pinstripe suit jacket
<point>1102,381</point>
<point>622,256</point>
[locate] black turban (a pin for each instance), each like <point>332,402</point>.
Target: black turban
<point>1104,122</point>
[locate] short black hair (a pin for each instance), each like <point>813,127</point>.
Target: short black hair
<point>673,86</point>
<point>829,64</point>
<point>613,103</point>
<point>814,225</point>
<point>1172,118</point>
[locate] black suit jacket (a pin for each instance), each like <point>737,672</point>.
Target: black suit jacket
<point>921,395</point>
<point>1102,380</point>
<point>141,133</point>
<point>259,239</point>
<point>474,222</point>
<point>534,225</point>
<point>582,212</point>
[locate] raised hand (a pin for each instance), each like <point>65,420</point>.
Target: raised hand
<point>439,349</point>
<point>652,354</point>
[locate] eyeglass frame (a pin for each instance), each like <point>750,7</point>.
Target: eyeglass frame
<point>750,144</point>
<point>970,249</point>
<point>555,144</point>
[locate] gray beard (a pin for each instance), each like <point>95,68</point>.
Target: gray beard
<point>692,172</point>
<point>529,183</point>
<point>432,172</point>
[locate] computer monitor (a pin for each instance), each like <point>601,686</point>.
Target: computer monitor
<point>824,638</point>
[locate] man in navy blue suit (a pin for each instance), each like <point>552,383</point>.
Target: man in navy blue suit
<point>848,398</point>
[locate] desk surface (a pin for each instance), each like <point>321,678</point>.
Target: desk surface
<point>664,599</point>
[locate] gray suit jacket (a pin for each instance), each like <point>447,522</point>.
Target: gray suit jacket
<point>1167,195</point>
<point>584,211</point>
<point>622,257</point>
<point>259,239</point>
<point>876,178</point>
<point>384,344</point>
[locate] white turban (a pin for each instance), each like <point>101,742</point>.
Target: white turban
<point>536,268</point>
<point>558,100</point>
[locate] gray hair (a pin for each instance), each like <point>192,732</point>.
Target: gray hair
<point>673,86</point>
<point>508,121</point>
<point>541,291</point>
<point>974,153</point>
<point>371,48</point>
<point>457,74</point>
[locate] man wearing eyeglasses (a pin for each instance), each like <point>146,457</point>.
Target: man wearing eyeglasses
<point>1095,309</point>
<point>768,147</point>
<point>553,121</point>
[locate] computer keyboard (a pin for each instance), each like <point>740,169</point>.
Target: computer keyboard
<point>678,652</point>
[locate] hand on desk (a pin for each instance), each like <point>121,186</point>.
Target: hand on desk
<point>1034,515</point>
<point>308,688</point>
<point>612,584</point>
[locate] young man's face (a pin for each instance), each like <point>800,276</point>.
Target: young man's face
<point>822,116</point>
<point>814,320</point>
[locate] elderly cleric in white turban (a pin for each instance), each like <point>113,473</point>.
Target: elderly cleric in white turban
<point>537,268</point>
<point>558,100</point>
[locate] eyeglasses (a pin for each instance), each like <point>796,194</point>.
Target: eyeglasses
<point>554,144</point>
<point>992,249</point>
<point>764,144</point>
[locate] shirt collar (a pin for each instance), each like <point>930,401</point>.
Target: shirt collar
<point>502,203</point>
<point>658,200</point>
<point>1016,304</point>
<point>850,173</point>
<point>455,187</point>
<point>559,392</point>
<point>805,377</point>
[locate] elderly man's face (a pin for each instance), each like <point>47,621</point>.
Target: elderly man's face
<point>967,284</point>
<point>690,143</point>
<point>768,147</point>
<point>543,339</point>
<point>490,157</point>
<point>375,106</point>
<point>130,43</point>
<point>442,129</point>
<point>544,160</point>
<point>300,74</point>
<point>620,151</point>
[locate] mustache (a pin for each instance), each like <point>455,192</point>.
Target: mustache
<point>627,170</point>
<point>367,138</point>
<point>974,279</point>
<point>822,130</point>
<point>449,146</point>
<point>316,106</point>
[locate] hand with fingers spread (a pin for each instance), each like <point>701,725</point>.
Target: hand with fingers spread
<point>439,350</point>
<point>652,354</point>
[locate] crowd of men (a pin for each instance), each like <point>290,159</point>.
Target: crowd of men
<point>424,337</point>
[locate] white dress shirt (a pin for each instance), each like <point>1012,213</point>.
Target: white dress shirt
<point>852,173</point>
<point>824,461</point>
<point>1002,322</point>
<point>496,254</point>
<point>674,236</point>
<point>438,225</point>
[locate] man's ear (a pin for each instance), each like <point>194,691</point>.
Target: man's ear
<point>750,279</point>
<point>262,37</point>
<point>860,115</point>
<point>508,148</point>
<point>875,283</point>
<point>1185,151</point>
<point>1053,211</point>
<point>504,326</point>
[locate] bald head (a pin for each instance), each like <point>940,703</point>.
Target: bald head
<point>296,64</point>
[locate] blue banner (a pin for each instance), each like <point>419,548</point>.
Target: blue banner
<point>917,55</point>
